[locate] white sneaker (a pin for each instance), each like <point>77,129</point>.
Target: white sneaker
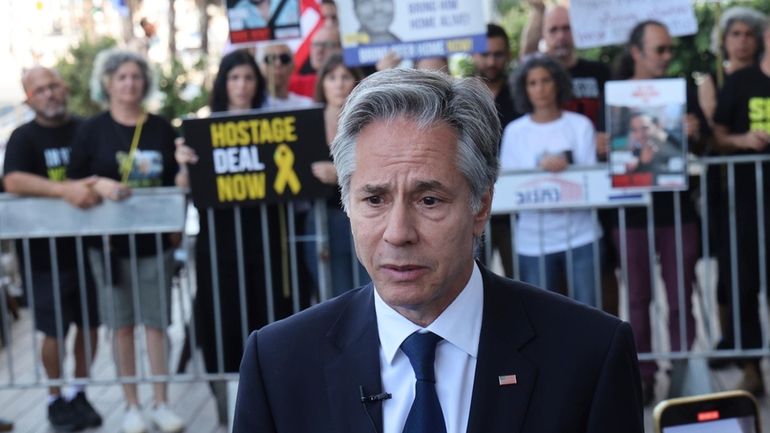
<point>133,421</point>
<point>165,419</point>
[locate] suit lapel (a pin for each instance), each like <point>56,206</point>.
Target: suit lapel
<point>505,329</point>
<point>352,360</point>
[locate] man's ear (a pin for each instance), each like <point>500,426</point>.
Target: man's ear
<point>482,216</point>
<point>636,53</point>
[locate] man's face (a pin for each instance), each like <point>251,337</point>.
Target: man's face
<point>640,130</point>
<point>326,42</point>
<point>46,94</point>
<point>329,14</point>
<point>492,63</point>
<point>264,8</point>
<point>557,34</point>
<point>375,16</point>
<point>410,216</point>
<point>653,59</point>
<point>277,63</point>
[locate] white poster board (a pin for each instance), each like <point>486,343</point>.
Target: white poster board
<point>414,29</point>
<point>596,23</point>
<point>645,122</point>
<point>576,188</point>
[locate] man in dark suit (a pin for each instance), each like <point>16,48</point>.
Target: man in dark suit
<point>436,343</point>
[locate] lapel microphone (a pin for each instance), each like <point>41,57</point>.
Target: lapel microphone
<point>373,398</point>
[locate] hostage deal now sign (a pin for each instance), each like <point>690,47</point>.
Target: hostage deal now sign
<point>256,157</point>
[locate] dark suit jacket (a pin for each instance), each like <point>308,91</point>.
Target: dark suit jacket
<point>576,368</point>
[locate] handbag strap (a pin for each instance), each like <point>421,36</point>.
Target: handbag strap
<point>125,168</point>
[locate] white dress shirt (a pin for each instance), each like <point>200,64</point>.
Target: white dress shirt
<point>455,366</point>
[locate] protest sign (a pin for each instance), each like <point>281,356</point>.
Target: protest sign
<point>646,126</point>
<point>596,23</point>
<point>256,157</point>
<point>578,187</point>
<point>413,29</point>
<point>261,20</point>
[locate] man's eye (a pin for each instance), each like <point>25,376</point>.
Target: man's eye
<point>430,201</point>
<point>374,200</point>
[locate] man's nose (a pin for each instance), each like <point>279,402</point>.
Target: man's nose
<point>400,226</point>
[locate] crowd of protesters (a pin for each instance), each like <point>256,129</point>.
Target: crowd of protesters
<point>551,109</point>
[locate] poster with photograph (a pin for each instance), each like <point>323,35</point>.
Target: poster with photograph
<point>414,29</point>
<point>646,126</point>
<point>256,157</point>
<point>261,20</point>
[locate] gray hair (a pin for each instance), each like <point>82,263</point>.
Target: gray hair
<point>753,18</point>
<point>106,63</point>
<point>428,98</point>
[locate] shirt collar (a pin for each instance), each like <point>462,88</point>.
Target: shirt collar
<point>459,324</point>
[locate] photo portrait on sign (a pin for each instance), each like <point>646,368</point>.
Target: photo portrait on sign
<point>648,146</point>
<point>259,20</point>
<point>413,29</point>
<point>646,126</point>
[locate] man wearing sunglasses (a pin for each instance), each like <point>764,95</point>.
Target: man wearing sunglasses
<point>276,63</point>
<point>648,54</point>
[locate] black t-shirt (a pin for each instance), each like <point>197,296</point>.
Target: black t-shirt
<point>101,144</point>
<point>506,111</point>
<point>588,78</point>
<point>744,105</point>
<point>744,102</point>
<point>45,152</point>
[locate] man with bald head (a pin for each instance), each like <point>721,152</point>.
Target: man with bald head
<point>276,62</point>
<point>588,77</point>
<point>325,42</point>
<point>36,158</point>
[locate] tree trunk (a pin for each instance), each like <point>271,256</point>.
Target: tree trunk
<point>128,20</point>
<point>203,26</point>
<point>171,29</point>
<point>87,21</point>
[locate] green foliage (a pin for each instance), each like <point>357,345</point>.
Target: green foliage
<point>75,68</point>
<point>172,83</point>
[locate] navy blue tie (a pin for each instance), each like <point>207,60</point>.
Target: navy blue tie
<point>425,415</point>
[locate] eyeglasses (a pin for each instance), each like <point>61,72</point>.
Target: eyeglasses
<point>329,45</point>
<point>661,49</point>
<point>282,58</point>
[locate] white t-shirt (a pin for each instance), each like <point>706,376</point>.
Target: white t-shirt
<point>292,100</point>
<point>524,144</point>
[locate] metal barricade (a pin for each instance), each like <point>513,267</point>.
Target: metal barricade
<point>733,229</point>
<point>161,211</point>
<point>153,212</point>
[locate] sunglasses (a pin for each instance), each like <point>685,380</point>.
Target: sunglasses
<point>283,59</point>
<point>660,50</point>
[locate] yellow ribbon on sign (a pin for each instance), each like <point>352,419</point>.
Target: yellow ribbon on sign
<point>284,160</point>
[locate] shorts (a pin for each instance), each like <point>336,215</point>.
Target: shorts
<point>72,299</point>
<point>118,300</point>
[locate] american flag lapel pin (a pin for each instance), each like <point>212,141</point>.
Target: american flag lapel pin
<point>508,379</point>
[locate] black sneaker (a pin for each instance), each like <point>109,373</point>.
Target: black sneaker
<point>90,417</point>
<point>63,417</point>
